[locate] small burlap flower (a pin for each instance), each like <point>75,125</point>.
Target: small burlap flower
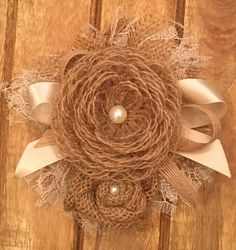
<point>93,200</point>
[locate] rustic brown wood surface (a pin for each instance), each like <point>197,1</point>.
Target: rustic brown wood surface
<point>30,29</point>
<point>212,225</point>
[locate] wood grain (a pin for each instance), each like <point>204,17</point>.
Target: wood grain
<point>212,225</point>
<point>33,29</point>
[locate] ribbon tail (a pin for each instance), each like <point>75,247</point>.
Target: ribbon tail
<point>211,155</point>
<point>175,177</point>
<point>35,158</point>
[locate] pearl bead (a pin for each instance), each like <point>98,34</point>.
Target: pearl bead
<point>118,114</point>
<point>114,190</point>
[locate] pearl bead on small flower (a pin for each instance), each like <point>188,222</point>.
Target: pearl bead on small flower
<point>114,190</point>
<point>118,114</point>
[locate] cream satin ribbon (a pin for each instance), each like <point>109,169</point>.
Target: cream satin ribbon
<point>211,155</point>
<point>39,154</point>
<point>35,158</point>
<point>197,91</point>
<point>41,96</point>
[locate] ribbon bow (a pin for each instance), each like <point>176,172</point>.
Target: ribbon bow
<point>203,105</point>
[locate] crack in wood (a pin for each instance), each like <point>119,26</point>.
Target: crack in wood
<point>10,39</point>
<point>164,236</point>
<point>180,11</point>
<point>8,64</point>
<point>98,240</point>
<point>95,20</point>
<point>79,237</point>
<point>95,13</point>
<point>165,221</point>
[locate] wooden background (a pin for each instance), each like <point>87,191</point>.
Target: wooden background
<point>33,28</point>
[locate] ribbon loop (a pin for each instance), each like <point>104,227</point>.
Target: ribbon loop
<point>197,91</point>
<point>203,106</point>
<point>41,96</point>
<point>190,141</point>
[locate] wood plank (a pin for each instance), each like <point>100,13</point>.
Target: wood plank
<point>154,235</point>
<point>3,17</point>
<point>41,27</point>
<point>7,40</point>
<point>212,225</point>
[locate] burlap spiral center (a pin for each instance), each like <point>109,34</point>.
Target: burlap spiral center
<point>86,135</point>
<point>94,201</point>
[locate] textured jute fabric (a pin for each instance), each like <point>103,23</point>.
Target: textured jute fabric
<point>102,149</point>
<point>93,201</point>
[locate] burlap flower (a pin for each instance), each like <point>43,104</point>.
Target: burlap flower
<point>102,149</point>
<point>95,201</point>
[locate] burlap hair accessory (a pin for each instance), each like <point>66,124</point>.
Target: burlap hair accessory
<point>121,114</point>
